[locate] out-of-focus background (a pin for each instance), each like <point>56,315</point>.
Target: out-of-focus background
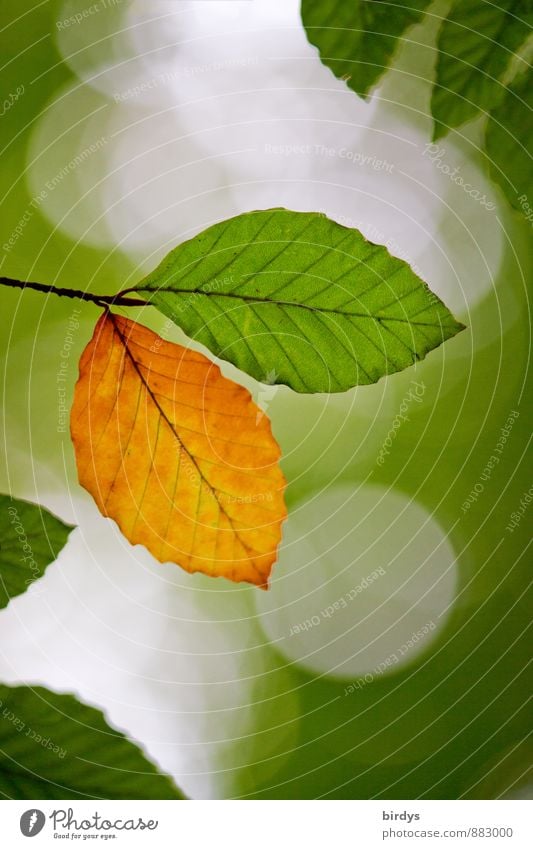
<point>388,659</point>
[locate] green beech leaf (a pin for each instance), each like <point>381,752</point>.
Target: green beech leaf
<point>30,539</point>
<point>509,144</point>
<point>294,298</point>
<point>54,747</point>
<point>476,46</point>
<point>357,39</point>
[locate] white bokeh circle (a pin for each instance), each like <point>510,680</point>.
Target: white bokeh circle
<point>364,582</point>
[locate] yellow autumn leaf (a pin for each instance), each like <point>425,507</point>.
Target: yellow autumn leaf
<point>178,455</point>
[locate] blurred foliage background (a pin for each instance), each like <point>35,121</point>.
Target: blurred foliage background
<point>137,125</point>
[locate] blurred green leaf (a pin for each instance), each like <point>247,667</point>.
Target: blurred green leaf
<point>31,539</point>
<point>54,747</point>
<point>299,297</point>
<point>509,144</point>
<point>357,40</point>
<point>34,75</point>
<point>476,45</point>
<point>32,71</point>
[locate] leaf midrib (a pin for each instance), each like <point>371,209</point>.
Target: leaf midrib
<point>210,487</point>
<point>295,305</point>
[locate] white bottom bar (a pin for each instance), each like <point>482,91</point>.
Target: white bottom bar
<point>268,824</point>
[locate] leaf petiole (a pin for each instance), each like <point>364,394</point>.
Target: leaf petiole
<point>101,300</point>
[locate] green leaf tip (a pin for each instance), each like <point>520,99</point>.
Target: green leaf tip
<point>357,40</point>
